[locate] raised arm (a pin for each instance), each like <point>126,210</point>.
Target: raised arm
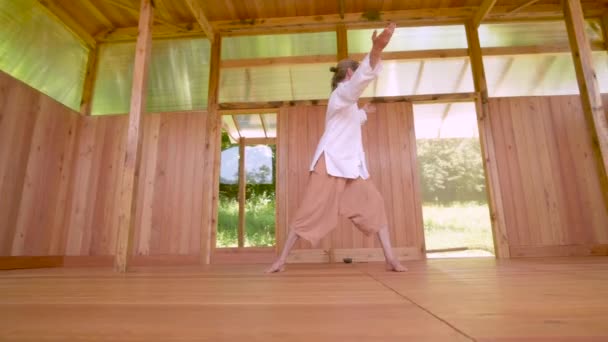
<point>379,43</point>
<point>356,82</point>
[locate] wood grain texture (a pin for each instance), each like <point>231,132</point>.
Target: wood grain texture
<point>169,207</point>
<point>558,300</point>
<point>130,170</point>
<point>388,139</point>
<point>37,138</point>
<point>551,189</point>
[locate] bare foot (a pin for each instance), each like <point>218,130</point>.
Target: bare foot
<point>395,266</point>
<point>278,266</point>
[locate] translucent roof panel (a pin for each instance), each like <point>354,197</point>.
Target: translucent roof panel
<point>279,45</point>
<point>230,127</point>
<point>532,33</point>
<point>539,75</point>
<point>249,125</point>
<point>270,121</point>
<point>275,83</point>
<point>39,51</point>
<point>445,120</point>
<point>178,76</point>
<point>414,77</point>
<point>411,38</point>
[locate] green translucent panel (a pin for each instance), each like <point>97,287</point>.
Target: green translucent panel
<point>411,38</point>
<point>539,75</point>
<point>178,76</point>
<point>39,51</point>
<point>532,33</point>
<point>276,83</point>
<point>279,45</point>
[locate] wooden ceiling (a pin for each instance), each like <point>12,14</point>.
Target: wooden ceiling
<point>111,20</point>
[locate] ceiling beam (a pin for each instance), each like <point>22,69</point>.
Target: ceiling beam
<point>59,14</point>
<point>201,18</point>
<point>158,31</point>
<point>136,12</point>
<point>522,6</point>
<point>483,11</point>
<point>415,17</point>
<point>97,13</point>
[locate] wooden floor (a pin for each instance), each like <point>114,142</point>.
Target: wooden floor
<point>559,299</point>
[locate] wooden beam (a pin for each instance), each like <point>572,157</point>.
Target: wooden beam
<point>136,12</point>
<point>242,194</point>
<point>597,119</point>
<point>212,155</point>
<point>419,99</point>
<point>254,62</point>
<point>89,82</point>
<point>341,8</point>
<point>126,34</point>
<point>23,262</point>
<point>342,42</point>
<point>604,23</point>
<point>201,18</point>
<point>259,141</point>
<point>414,17</point>
<point>130,169</point>
<point>534,49</point>
<point>97,13</point>
<point>248,111</point>
<point>482,12</point>
<point>522,6</point>
<point>263,121</point>
<point>59,14</point>
<point>497,215</point>
<point>237,125</point>
<point>329,21</point>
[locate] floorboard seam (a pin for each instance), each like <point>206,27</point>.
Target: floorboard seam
<point>420,306</point>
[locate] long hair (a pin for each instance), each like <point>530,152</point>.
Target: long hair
<point>340,71</point>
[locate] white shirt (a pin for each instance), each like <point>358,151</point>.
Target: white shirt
<point>341,142</point>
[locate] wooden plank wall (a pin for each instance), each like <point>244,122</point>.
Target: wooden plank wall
<point>390,149</point>
<point>37,136</point>
<point>171,181</point>
<point>551,192</point>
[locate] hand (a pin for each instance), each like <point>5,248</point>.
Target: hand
<point>380,41</point>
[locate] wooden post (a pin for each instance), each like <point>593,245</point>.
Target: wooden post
<point>499,229</point>
<point>212,155</point>
<point>242,193</point>
<point>597,120</point>
<point>130,169</point>
<point>89,82</point>
<point>342,41</point>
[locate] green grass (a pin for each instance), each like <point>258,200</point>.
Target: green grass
<point>458,225</point>
<point>259,222</point>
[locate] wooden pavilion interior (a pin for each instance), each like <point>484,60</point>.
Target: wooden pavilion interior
<point>112,114</point>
